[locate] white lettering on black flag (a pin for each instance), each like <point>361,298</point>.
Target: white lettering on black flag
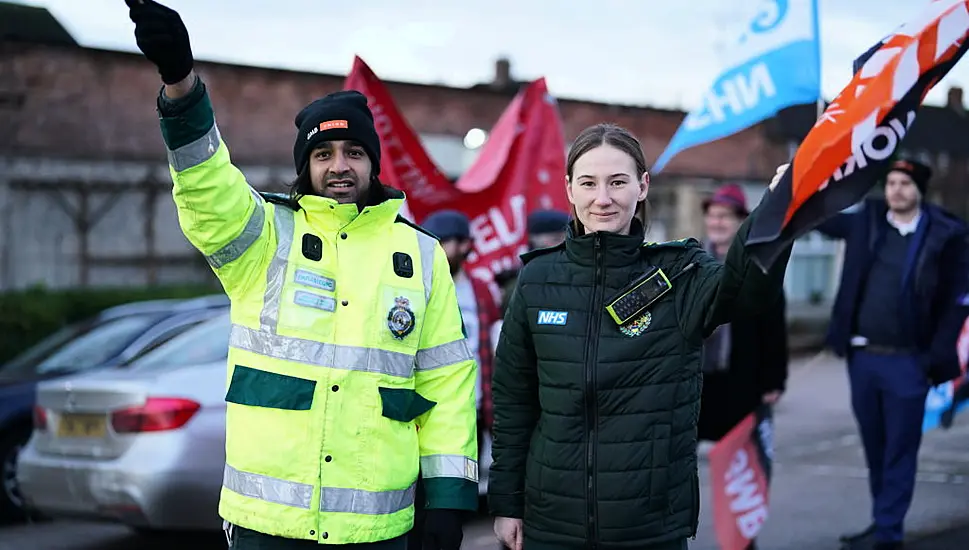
<point>851,144</point>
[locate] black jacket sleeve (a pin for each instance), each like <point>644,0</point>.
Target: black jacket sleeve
<point>773,348</point>
<point>736,289</point>
<point>514,390</point>
<point>942,359</point>
<point>838,227</point>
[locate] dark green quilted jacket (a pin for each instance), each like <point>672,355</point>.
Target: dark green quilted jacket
<point>595,424</point>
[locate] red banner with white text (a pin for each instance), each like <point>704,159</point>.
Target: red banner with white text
<point>521,168</point>
<point>404,164</point>
<point>740,471</point>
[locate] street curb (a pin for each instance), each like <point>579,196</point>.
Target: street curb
<point>941,538</point>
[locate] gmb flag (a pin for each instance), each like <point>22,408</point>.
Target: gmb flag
<point>853,141</point>
<point>740,473</point>
<point>774,63</point>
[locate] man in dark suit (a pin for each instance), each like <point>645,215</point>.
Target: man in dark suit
<point>896,319</point>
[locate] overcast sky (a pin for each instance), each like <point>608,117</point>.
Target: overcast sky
<point>643,52</point>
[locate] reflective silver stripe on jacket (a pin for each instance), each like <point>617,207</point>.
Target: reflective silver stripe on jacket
<point>270,489</point>
<point>444,355</point>
<point>322,354</point>
<point>239,245</point>
<point>276,274</point>
<point>266,341</point>
<point>356,501</point>
<point>332,499</point>
<point>456,466</point>
<point>192,154</point>
<point>427,246</point>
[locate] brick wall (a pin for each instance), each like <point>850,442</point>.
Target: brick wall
<point>95,104</point>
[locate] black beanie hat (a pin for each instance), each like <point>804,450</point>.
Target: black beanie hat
<point>338,116</point>
<point>920,173</point>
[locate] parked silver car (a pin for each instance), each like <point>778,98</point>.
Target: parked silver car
<point>108,340</point>
<point>142,446</point>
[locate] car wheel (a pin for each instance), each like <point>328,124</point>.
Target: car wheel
<point>11,501</point>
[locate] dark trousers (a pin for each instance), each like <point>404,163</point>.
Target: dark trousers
<point>888,397</point>
<point>246,539</point>
<point>529,544</point>
<point>415,537</point>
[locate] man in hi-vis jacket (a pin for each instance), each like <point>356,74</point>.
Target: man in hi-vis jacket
<point>348,368</point>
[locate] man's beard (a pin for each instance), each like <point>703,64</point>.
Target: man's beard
<point>457,262</point>
<point>353,193</point>
<point>903,207</point>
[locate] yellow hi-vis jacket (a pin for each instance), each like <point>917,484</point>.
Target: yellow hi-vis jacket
<point>348,368</point>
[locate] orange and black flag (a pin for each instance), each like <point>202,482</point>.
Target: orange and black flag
<point>856,137</point>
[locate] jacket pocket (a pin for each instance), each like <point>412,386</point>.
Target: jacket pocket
<point>259,388</point>
<point>403,404</point>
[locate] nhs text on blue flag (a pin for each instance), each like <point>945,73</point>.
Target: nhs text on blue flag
<point>775,63</point>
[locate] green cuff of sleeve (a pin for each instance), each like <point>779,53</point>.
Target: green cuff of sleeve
<point>506,506</point>
<point>451,493</point>
<point>186,119</point>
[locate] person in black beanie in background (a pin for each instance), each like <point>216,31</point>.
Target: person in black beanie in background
<point>348,370</point>
<point>896,319</point>
<point>546,228</point>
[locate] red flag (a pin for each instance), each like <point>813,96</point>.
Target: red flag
<point>404,164</point>
<point>520,169</point>
<point>740,470</point>
<point>846,152</point>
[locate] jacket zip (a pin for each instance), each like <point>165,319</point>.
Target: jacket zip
<point>591,410</point>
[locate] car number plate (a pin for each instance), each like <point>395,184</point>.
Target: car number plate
<point>82,425</point>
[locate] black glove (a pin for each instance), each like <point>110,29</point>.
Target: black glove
<point>443,530</point>
<point>163,38</point>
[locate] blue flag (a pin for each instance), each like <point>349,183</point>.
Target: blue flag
<point>776,63</point>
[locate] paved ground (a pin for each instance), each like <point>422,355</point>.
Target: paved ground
<point>819,490</point>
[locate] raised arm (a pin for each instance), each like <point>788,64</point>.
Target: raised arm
<point>838,226</point>
<point>737,288</point>
<point>219,213</point>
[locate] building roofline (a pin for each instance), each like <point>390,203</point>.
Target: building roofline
<point>479,88</point>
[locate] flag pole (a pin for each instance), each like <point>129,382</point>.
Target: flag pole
<point>817,38</point>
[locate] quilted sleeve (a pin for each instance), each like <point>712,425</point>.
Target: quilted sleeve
<point>516,410</point>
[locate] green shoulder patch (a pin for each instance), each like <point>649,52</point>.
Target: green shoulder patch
<point>689,242</point>
<point>415,227</point>
<point>532,254</point>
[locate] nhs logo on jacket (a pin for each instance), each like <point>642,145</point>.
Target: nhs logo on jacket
<point>546,317</point>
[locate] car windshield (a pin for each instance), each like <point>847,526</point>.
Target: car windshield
<point>26,361</point>
<point>206,342</point>
<point>98,345</point>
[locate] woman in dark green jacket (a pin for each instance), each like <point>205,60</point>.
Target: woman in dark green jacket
<point>596,408</point>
